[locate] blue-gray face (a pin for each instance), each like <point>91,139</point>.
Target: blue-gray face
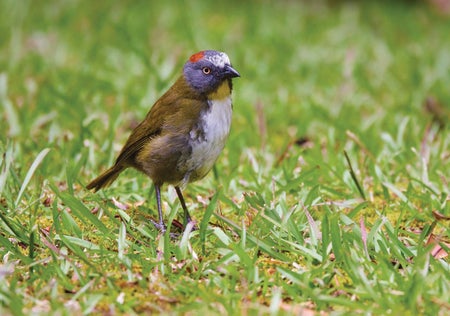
<point>206,70</point>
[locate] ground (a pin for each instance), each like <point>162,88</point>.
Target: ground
<point>332,193</point>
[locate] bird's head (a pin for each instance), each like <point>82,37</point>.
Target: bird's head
<point>206,70</point>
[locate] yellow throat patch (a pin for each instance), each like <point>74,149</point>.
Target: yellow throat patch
<point>222,92</point>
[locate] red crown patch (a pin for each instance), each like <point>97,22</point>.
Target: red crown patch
<point>196,57</point>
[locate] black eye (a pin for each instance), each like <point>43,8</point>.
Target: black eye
<point>206,70</point>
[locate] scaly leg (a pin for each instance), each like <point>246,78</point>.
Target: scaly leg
<point>187,217</point>
<point>160,225</point>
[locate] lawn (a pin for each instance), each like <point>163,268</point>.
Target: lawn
<point>331,196</point>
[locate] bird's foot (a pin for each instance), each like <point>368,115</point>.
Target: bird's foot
<point>161,227</point>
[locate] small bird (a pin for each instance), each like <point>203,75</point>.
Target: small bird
<point>183,133</point>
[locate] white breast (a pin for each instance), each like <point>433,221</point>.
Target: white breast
<point>206,148</point>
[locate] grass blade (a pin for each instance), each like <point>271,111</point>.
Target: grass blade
<point>353,175</point>
<point>254,240</point>
<point>206,217</point>
<point>80,210</point>
<point>30,173</point>
<point>7,159</point>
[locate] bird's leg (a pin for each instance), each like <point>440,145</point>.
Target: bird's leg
<point>160,225</point>
<point>187,217</point>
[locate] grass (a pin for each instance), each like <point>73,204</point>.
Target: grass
<point>331,196</point>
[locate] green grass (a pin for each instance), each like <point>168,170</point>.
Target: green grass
<point>323,200</point>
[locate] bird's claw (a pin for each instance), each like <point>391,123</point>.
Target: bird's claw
<point>159,226</point>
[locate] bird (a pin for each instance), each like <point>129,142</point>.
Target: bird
<point>184,131</point>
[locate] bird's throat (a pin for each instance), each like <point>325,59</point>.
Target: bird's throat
<point>222,92</point>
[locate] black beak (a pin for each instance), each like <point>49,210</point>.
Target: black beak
<point>230,72</point>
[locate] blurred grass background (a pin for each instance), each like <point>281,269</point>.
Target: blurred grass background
<point>292,232</point>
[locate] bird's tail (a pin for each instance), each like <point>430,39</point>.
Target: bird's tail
<point>106,178</point>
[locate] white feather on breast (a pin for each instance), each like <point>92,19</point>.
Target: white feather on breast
<point>206,148</point>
